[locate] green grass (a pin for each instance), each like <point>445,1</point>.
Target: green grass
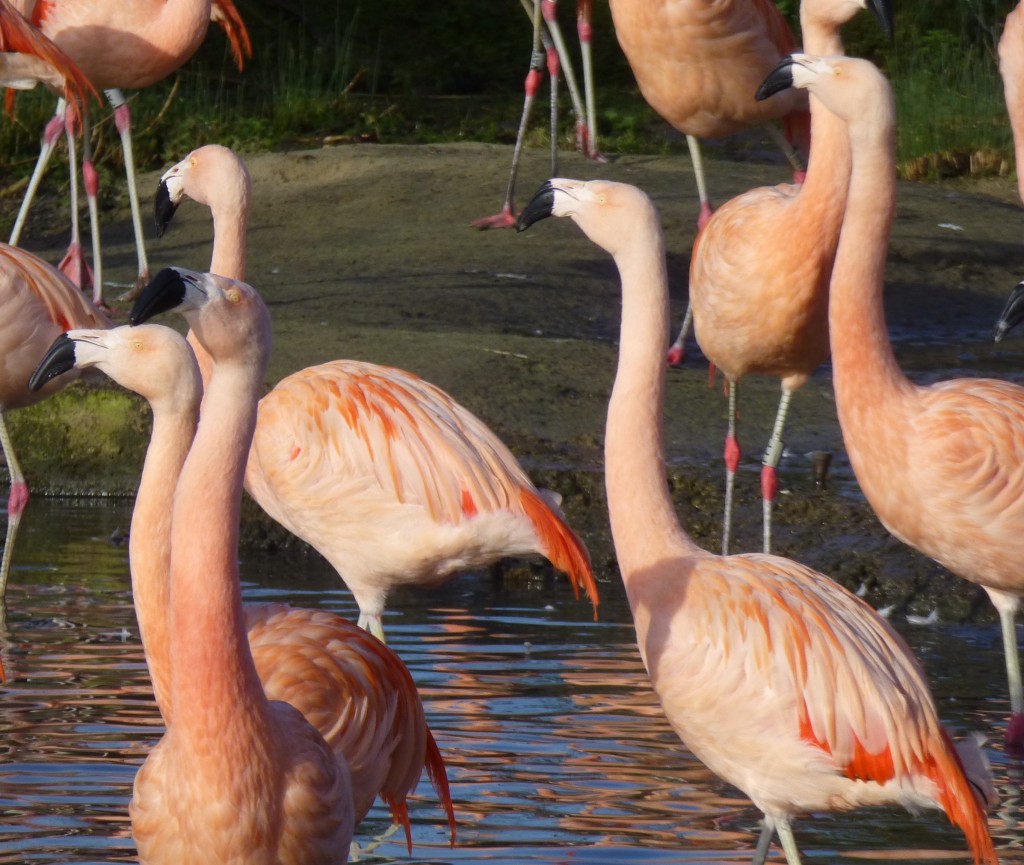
<point>335,71</point>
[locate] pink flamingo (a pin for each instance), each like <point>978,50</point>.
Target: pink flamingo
<point>118,47</point>
<point>782,682</point>
<point>350,455</point>
<point>759,305</point>
<point>236,777</point>
<point>940,465</point>
<point>699,65</point>
<point>555,56</point>
<point>37,302</point>
<point>346,683</point>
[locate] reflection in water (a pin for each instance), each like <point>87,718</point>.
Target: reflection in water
<point>556,748</point>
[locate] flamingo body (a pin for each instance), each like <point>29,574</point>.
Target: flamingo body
<point>781,681</point>
<point>760,268</point>
<point>386,475</point>
<point>1011,68</point>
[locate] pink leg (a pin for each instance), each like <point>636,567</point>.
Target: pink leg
<point>677,351</point>
<point>122,119</point>
<point>769,467</point>
<point>506,218</point>
<point>732,462</point>
<point>54,130</point>
<point>585,31</point>
<point>74,266</point>
<point>16,503</point>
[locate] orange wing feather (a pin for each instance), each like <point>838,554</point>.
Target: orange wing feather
<point>226,14</point>
<point>17,35</point>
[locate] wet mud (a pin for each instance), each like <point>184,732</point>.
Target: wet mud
<point>366,251</point>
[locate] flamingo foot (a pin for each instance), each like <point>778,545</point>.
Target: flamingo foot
<point>75,267</point>
<point>140,283</point>
<point>505,219</point>
<point>17,500</point>
<point>1015,736</point>
<point>676,354</point>
<point>705,214</point>
<point>800,176</point>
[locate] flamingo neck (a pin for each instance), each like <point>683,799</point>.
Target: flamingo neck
<point>866,375</point>
<point>150,539</point>
<point>214,680</point>
<point>643,520</point>
<point>230,225</point>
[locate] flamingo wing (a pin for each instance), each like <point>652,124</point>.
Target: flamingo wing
<point>358,694</point>
<point>61,73</point>
<point>65,305</point>
<point>349,430</point>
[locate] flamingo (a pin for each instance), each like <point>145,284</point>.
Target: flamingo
<point>698,64</point>
<point>546,31</point>
<point>235,777</point>
<point>119,47</point>
<point>761,306</point>
<point>941,465</point>
<point>350,686</point>
<point>350,455</point>
<point>782,682</point>
<point>37,301</point>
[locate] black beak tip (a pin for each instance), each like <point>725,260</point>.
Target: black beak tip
<point>164,292</point>
<point>539,207</point>
<point>779,79</point>
<point>59,358</point>
<point>164,209</point>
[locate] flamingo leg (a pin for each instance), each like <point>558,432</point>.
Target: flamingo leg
<point>677,351</point>
<point>764,841</point>
<point>548,8</point>
<point>74,266</point>
<point>506,218</point>
<point>585,31</point>
<point>732,461</point>
<point>770,465</point>
<point>123,121</point>
<point>373,624</point>
<point>1006,605</point>
<point>799,168</point>
<point>16,502</point>
<point>788,842</point>
<point>50,135</point>
<point>554,74</point>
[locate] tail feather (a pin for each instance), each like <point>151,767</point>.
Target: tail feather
<point>964,790</point>
<point>561,546</point>
<point>225,14</point>
<point>438,775</point>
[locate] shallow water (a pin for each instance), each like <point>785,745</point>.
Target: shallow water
<point>555,746</point>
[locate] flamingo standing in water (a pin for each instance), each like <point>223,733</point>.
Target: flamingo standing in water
<point>941,466</point>
<point>350,455</point>
<point>782,682</point>
<point>547,31</point>
<point>346,683</point>
<point>36,300</point>
<point>699,64</point>
<point>119,46</point>
<point>760,305</point>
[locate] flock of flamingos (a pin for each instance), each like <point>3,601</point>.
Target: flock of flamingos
<point>283,725</point>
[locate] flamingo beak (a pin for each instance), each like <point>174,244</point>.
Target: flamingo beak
<point>59,359</point>
<point>538,208</point>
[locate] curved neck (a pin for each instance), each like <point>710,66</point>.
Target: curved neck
<point>866,375</point>
<point>214,681</point>
<point>149,547</point>
<point>230,224</point>
<point>643,519</point>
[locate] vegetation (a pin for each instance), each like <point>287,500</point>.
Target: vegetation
<point>410,72</point>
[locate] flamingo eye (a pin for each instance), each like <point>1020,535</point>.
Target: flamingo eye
<point>137,345</point>
<point>234,296</point>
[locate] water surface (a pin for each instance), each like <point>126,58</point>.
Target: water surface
<point>556,749</point>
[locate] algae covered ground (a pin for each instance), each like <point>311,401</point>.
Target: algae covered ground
<point>366,251</point>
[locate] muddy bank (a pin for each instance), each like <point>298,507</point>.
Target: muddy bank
<point>366,251</point>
